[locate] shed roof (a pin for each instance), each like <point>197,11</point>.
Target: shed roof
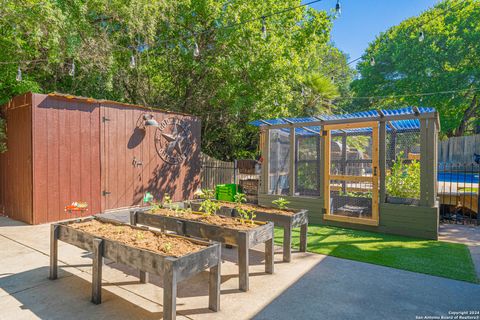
<point>401,125</point>
<point>118,103</point>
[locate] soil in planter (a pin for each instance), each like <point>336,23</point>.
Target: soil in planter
<point>247,206</point>
<point>226,222</point>
<point>163,244</point>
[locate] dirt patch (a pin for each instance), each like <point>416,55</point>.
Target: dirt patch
<point>226,222</point>
<point>253,207</point>
<point>163,244</point>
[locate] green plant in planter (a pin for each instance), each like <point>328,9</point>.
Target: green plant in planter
<point>281,203</point>
<point>157,205</point>
<point>357,194</point>
<point>167,247</point>
<point>404,179</point>
<point>209,205</point>
<point>166,199</point>
<point>245,214</point>
<point>239,199</point>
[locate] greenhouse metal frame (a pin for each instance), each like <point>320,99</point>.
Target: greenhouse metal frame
<point>347,169</point>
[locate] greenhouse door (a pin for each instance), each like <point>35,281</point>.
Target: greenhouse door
<point>351,172</point>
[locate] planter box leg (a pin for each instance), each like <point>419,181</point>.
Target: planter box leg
<point>243,260</point>
<point>133,218</point>
<point>269,251</point>
<point>143,276</point>
<point>169,292</point>
<point>214,284</point>
<point>287,243</point>
<point>303,237</point>
<point>53,252</point>
<point>97,271</point>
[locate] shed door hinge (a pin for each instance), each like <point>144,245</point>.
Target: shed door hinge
<point>105,119</point>
<point>105,193</point>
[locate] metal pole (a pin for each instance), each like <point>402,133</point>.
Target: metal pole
<point>478,195</point>
<point>235,171</point>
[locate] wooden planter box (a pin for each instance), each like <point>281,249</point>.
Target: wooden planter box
<point>287,222</point>
<point>172,269</point>
<point>243,239</point>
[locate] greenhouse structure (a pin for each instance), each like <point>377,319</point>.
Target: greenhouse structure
<point>373,170</point>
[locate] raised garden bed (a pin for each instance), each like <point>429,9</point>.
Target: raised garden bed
<point>226,230</point>
<point>174,257</point>
<point>286,219</point>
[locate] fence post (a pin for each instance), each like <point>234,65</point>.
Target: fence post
<point>235,166</point>
<point>478,195</point>
<point>291,170</point>
<point>423,162</point>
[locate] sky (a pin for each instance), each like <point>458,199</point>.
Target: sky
<point>362,20</point>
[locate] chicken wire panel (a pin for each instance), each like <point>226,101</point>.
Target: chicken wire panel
<point>278,162</point>
<point>351,154</point>
<point>351,199</point>
<point>307,166</point>
<point>403,164</point>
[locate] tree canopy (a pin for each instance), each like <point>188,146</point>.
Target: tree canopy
<point>205,57</point>
<point>438,51</point>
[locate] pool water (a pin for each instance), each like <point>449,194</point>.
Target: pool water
<point>460,177</point>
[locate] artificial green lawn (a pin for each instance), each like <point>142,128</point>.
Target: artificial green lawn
<point>438,258</point>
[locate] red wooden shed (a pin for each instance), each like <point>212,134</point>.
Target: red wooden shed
<point>63,149</point>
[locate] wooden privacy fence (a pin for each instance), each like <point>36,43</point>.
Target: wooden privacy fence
<point>459,149</point>
<point>242,172</point>
<point>216,171</point>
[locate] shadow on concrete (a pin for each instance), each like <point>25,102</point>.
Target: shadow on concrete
<point>343,289</point>
<point>192,287</point>
<point>70,294</point>
<point>7,222</point>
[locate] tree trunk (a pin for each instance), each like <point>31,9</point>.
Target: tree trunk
<point>466,116</point>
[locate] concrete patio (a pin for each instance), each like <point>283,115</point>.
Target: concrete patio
<point>312,286</point>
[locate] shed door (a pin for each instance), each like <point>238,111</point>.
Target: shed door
<point>121,154</point>
<point>351,172</point>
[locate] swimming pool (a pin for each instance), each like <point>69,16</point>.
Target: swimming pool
<point>459,177</point>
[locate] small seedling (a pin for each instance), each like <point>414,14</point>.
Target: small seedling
<point>252,216</point>
<point>156,205</point>
<point>240,198</point>
<point>167,247</point>
<point>140,235</point>
<point>178,210</point>
<point>209,205</point>
<point>245,214</point>
<point>281,203</point>
<point>166,199</point>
